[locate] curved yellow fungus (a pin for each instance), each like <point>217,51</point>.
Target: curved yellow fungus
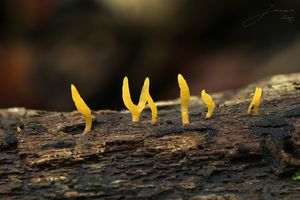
<point>135,109</point>
<point>152,105</point>
<point>255,102</point>
<point>209,103</point>
<point>82,108</point>
<point>185,99</point>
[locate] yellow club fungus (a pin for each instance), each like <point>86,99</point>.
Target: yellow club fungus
<point>209,102</point>
<point>151,104</point>
<point>255,102</point>
<point>19,129</point>
<point>135,109</point>
<point>82,108</point>
<point>185,99</point>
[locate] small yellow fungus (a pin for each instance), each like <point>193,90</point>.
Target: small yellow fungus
<point>135,109</point>
<point>185,99</point>
<point>19,129</point>
<point>209,103</point>
<point>82,108</point>
<point>151,104</point>
<point>255,102</point>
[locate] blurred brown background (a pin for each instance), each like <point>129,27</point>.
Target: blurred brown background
<point>47,44</point>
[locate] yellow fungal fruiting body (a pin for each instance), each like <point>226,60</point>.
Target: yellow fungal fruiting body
<point>135,109</point>
<point>209,103</point>
<point>19,129</point>
<point>185,99</point>
<point>82,108</point>
<point>151,105</point>
<point>255,102</point>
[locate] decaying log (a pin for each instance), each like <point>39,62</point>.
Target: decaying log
<point>230,156</point>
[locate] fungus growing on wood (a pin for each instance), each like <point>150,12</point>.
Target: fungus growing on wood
<point>185,99</point>
<point>209,102</point>
<point>19,129</point>
<point>82,108</point>
<point>255,102</point>
<point>135,109</point>
<point>151,104</point>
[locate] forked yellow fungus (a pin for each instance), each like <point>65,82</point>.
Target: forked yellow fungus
<point>151,104</point>
<point>185,99</point>
<point>82,108</point>
<point>135,109</point>
<point>255,102</point>
<point>209,102</point>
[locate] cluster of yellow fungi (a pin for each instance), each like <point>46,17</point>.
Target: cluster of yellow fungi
<point>145,98</point>
<point>185,98</point>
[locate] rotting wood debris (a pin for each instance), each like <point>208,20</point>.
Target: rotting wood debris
<point>231,156</point>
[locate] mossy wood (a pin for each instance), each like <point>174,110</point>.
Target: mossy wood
<point>233,155</point>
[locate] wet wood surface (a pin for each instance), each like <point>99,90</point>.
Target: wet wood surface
<point>231,156</point>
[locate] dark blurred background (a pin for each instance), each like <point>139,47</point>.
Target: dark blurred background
<point>45,45</point>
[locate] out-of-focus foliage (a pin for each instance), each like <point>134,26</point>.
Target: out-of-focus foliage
<point>296,176</point>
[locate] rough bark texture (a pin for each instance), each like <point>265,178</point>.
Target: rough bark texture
<point>231,156</point>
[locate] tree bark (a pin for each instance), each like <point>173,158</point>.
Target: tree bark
<point>230,156</point>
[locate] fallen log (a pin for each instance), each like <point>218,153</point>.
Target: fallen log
<point>230,156</point>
